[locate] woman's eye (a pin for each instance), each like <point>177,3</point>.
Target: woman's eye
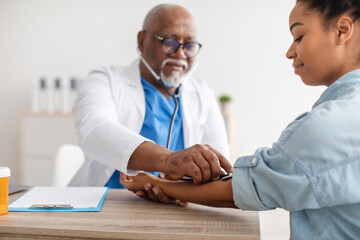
<point>299,38</point>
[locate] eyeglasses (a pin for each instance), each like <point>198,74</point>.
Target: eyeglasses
<point>171,45</point>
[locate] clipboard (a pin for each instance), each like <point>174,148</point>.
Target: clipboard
<point>60,199</point>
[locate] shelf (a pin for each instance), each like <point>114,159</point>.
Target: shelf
<point>42,134</point>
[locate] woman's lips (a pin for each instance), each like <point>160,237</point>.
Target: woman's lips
<point>297,67</point>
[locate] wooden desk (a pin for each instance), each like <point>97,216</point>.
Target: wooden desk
<point>125,216</point>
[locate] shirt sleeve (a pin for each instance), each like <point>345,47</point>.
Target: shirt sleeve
<point>309,167</point>
<point>101,136</point>
<point>261,182</point>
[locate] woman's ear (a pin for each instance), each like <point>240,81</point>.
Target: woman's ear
<point>140,38</point>
<point>344,28</point>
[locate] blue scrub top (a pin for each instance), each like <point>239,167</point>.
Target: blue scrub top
<point>158,113</point>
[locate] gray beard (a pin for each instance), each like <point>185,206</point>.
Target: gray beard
<point>174,79</point>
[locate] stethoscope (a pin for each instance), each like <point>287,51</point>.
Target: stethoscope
<point>174,95</point>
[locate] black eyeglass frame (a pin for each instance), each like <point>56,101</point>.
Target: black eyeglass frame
<point>162,39</point>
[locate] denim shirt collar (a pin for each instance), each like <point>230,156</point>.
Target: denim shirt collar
<point>335,89</point>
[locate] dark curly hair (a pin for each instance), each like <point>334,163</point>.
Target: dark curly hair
<point>331,9</point>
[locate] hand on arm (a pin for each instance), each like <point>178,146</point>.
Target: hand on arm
<point>201,162</point>
<point>216,193</point>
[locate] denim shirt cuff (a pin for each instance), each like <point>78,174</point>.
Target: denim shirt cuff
<point>244,191</point>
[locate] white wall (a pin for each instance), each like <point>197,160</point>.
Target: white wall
<point>243,55</point>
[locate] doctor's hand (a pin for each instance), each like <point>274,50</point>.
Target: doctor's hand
<point>201,162</point>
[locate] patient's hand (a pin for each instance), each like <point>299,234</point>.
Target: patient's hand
<point>136,183</point>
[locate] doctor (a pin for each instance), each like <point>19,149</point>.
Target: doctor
<point>152,115</point>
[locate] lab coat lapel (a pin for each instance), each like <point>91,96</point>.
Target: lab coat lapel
<point>191,127</point>
<point>136,90</point>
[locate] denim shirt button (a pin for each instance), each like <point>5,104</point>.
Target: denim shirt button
<point>253,160</point>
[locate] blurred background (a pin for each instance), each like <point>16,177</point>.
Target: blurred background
<point>243,56</point>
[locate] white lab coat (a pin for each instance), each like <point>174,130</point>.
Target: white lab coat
<point>109,114</point>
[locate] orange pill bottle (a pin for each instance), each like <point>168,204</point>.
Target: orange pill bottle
<point>4,190</point>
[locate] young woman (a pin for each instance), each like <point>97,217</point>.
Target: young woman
<point>313,170</point>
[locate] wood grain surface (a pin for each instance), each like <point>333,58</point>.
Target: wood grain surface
<point>125,216</point>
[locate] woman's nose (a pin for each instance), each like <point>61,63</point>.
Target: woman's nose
<point>291,54</point>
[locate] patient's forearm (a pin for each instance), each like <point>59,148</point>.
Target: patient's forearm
<point>216,193</point>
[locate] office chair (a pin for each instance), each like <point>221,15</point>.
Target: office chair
<point>68,160</point>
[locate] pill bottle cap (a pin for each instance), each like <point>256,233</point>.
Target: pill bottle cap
<point>4,172</point>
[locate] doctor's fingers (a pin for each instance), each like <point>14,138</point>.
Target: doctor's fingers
<point>205,169</point>
<point>224,163</point>
<point>212,157</point>
<point>161,197</point>
<point>149,193</point>
<point>207,160</point>
<point>142,194</point>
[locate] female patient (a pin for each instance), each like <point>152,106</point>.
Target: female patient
<point>313,170</point>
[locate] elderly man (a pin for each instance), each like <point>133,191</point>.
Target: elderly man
<point>152,115</point>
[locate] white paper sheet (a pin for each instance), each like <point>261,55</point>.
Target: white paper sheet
<point>77,197</point>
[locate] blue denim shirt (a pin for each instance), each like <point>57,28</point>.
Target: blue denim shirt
<point>313,170</point>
